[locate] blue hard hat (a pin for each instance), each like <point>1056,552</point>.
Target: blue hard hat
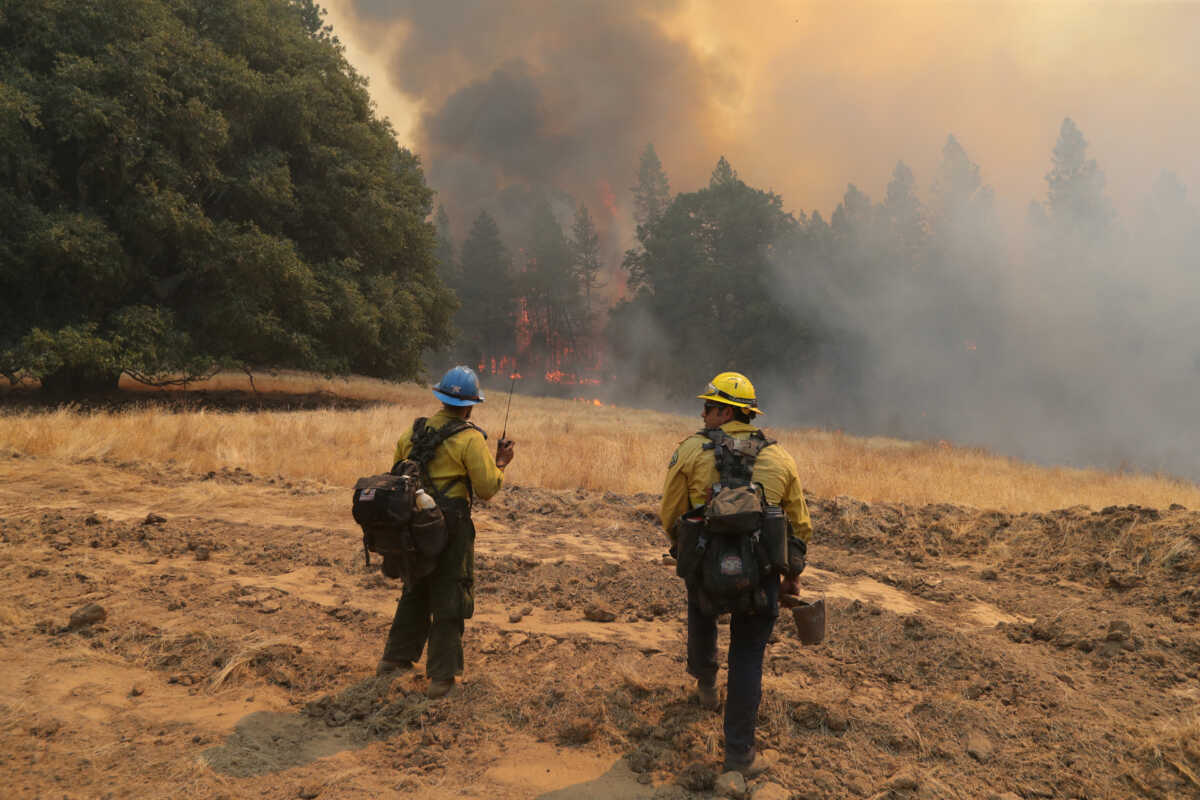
<point>458,387</point>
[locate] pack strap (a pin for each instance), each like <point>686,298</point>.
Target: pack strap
<point>425,442</point>
<point>735,457</point>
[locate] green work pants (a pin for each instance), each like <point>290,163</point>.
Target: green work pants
<point>432,609</point>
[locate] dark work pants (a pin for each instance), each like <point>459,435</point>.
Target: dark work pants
<point>748,635</point>
<point>432,609</point>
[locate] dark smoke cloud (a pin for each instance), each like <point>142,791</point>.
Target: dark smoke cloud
<point>1059,359</point>
<point>555,96</point>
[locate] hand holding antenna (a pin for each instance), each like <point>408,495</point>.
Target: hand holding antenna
<point>504,447</point>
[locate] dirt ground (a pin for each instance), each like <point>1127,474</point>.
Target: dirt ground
<point>970,654</point>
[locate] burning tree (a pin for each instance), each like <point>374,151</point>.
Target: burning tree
<point>487,317</point>
<point>551,291</point>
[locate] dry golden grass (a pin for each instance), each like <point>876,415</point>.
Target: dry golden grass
<point>561,444</point>
<point>1178,746</point>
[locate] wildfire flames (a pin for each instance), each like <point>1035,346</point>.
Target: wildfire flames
<point>498,366</point>
<point>558,376</point>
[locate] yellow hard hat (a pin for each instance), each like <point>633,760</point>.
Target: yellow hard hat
<point>732,389</point>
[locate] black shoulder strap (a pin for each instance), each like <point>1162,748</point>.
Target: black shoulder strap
<point>735,457</point>
<point>425,442</point>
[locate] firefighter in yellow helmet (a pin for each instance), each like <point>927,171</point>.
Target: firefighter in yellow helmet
<point>730,406</point>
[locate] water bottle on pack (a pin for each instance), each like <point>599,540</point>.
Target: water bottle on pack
<point>422,500</point>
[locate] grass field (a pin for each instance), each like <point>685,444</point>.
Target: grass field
<point>561,444</point>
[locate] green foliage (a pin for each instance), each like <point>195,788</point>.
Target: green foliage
<point>487,318</point>
<point>551,288</point>
<point>708,286</point>
<point>192,183</point>
<point>651,196</point>
<point>585,258</point>
<point>448,266</point>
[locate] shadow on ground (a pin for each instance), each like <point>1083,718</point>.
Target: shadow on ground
<point>271,741</point>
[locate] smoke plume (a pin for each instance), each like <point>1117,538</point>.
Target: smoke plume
<point>1022,335</point>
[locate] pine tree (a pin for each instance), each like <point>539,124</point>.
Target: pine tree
<point>957,181</point>
<point>905,216</point>
<point>585,250</point>
<point>652,193</point>
<point>487,318</point>
<point>1075,200</point>
<point>723,174</point>
<point>551,288</point>
<point>709,288</point>
<point>651,196</point>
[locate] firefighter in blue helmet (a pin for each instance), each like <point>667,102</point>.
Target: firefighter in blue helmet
<point>730,405</point>
<point>432,610</point>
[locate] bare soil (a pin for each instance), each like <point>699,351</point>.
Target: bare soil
<point>970,653</point>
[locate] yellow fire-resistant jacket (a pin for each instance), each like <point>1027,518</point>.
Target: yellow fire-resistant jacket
<point>693,471</point>
<point>464,453</point>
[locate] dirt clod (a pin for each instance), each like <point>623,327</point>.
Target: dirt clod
<point>906,780</point>
<point>731,784</point>
<point>697,777</point>
<point>595,613</point>
<point>87,615</point>
<point>154,519</point>
<point>770,791</point>
<point>979,746</point>
<point>579,730</point>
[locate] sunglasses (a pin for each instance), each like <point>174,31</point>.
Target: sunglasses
<point>713,406</point>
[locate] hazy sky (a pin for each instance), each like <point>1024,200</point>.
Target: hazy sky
<point>1082,363</point>
<point>804,97</point>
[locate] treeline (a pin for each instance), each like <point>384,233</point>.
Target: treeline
<point>538,307</point>
<point>727,277</point>
<point>189,185</point>
<point>919,314</point>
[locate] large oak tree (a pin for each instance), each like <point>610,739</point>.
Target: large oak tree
<point>188,184</point>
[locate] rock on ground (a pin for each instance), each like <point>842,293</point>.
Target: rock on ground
<point>87,615</point>
<point>770,791</point>
<point>731,784</point>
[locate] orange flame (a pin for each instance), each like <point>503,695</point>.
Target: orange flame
<point>607,197</point>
